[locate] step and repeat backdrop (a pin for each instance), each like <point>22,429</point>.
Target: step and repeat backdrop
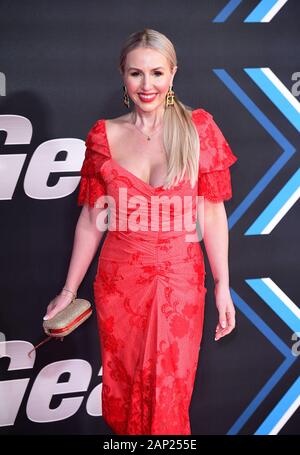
<point>239,60</point>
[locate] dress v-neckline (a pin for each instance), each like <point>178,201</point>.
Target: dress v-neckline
<point>153,188</point>
<point>126,171</point>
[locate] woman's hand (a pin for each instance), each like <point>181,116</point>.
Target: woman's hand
<point>226,311</point>
<point>59,303</point>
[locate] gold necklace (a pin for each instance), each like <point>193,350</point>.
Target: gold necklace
<point>147,135</point>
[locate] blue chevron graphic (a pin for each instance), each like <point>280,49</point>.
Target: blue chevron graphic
<point>277,375</point>
<point>271,129</point>
<point>263,12</point>
<point>227,11</point>
<point>282,412</point>
<point>277,93</point>
<point>277,301</point>
<point>283,307</point>
<point>277,208</point>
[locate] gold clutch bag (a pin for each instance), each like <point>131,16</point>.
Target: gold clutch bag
<point>66,320</point>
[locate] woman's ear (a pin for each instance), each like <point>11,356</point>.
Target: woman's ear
<point>174,72</point>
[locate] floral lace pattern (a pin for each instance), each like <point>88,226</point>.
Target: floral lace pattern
<point>150,292</point>
<point>214,182</point>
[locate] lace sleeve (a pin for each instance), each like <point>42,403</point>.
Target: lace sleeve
<point>92,185</point>
<point>214,182</point>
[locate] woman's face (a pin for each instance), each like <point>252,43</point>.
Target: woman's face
<point>147,71</point>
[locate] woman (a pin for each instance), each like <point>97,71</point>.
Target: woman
<point>149,287</point>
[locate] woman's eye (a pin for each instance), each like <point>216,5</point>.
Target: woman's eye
<point>157,73</point>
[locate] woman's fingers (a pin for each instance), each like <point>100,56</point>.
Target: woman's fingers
<point>231,319</point>
<point>230,325</point>
<point>52,309</point>
<point>59,303</point>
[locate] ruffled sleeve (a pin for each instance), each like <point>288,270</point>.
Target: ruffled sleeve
<point>214,181</point>
<point>92,185</point>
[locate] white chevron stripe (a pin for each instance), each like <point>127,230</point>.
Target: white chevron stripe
<point>273,11</point>
<point>286,416</point>
<point>282,88</point>
<point>282,296</point>
<point>282,212</point>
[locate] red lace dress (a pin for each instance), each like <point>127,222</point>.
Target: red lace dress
<point>149,287</point>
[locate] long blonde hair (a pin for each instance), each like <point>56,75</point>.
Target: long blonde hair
<point>180,135</point>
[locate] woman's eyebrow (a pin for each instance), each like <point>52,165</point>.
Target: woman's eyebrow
<point>133,68</point>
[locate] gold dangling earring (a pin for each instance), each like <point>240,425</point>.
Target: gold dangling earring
<point>126,97</point>
<point>170,97</point>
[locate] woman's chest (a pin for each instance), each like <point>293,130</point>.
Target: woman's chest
<point>146,159</point>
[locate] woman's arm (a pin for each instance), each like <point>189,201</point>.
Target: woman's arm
<point>88,234</point>
<point>91,225</point>
<point>214,228</point>
<point>215,236</point>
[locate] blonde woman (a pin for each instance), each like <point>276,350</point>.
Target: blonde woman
<point>149,288</point>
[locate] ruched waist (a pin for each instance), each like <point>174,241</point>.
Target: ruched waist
<point>151,247</point>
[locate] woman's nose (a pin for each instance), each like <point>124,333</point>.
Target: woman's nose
<point>146,84</point>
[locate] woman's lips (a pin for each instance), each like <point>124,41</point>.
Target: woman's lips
<point>147,99</point>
